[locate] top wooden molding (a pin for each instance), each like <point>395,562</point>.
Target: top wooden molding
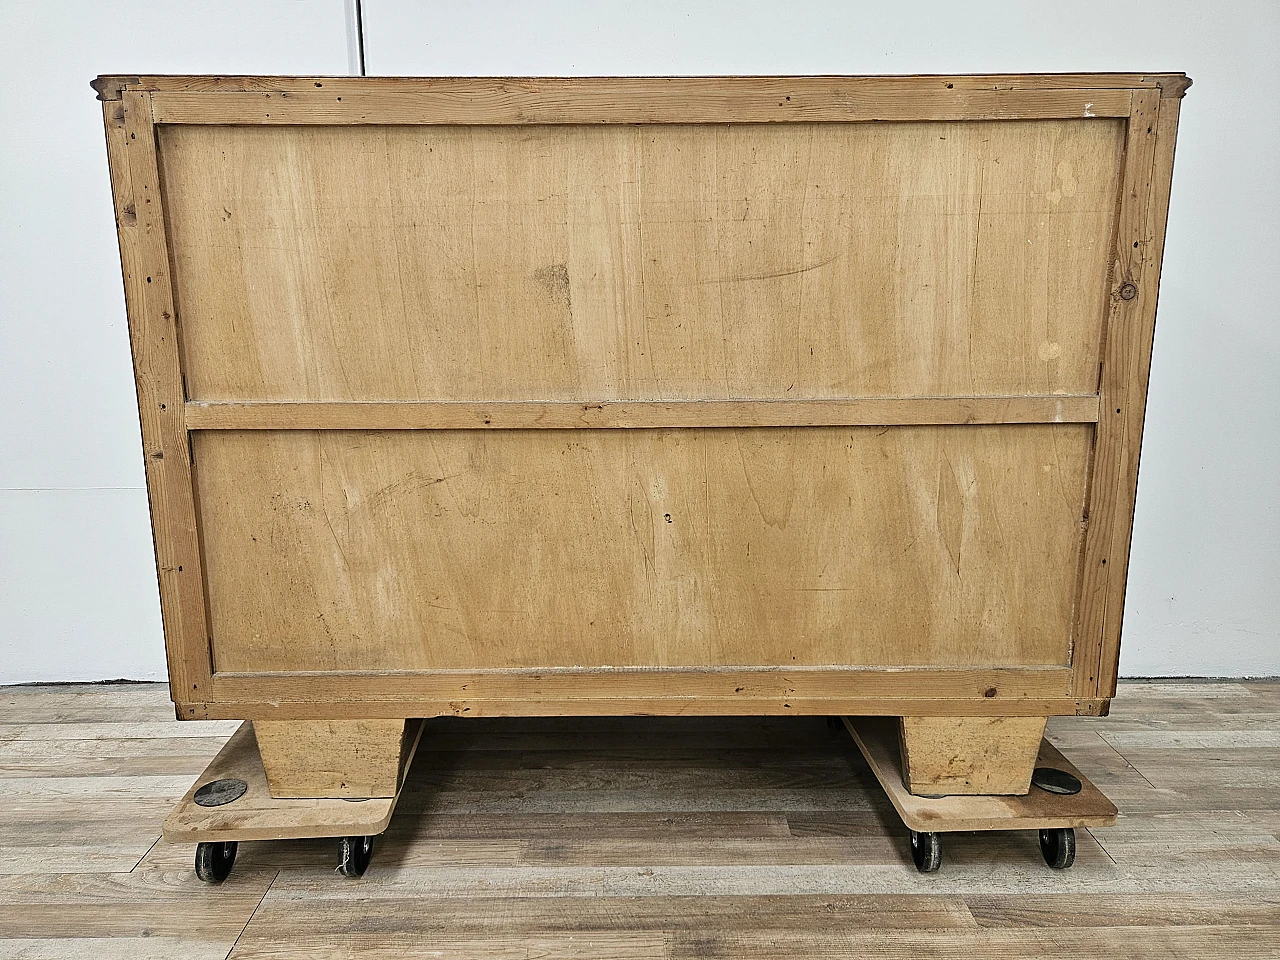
<point>110,87</point>
<point>626,100</point>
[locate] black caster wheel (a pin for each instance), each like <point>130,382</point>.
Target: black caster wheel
<point>1058,847</point>
<point>355,854</point>
<point>926,851</point>
<point>214,861</point>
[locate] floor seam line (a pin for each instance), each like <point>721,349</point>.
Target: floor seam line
<point>144,855</point>
<point>236,942</point>
<point>1129,763</point>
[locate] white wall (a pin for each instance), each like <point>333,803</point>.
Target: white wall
<point>78,597</point>
<point>77,593</point>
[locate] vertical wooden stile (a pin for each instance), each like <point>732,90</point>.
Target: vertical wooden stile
<point>144,257</point>
<point>1126,362</point>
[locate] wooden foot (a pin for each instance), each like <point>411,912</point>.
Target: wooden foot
<point>351,759</point>
<point>877,738</point>
<point>969,755</point>
<point>259,816</point>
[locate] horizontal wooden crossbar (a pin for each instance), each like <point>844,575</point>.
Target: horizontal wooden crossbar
<point>638,414</point>
<point>266,708</point>
<point>976,691</point>
<point>482,100</point>
<point>111,87</point>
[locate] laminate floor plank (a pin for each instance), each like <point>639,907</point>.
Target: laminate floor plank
<point>1132,943</point>
<point>170,904</point>
<point>375,946</point>
<point>1066,910</point>
<point>109,756</point>
<point>730,825</point>
<point>461,918</point>
<point>640,838</point>
<point>126,730</point>
<point>110,948</point>
<point>80,702</point>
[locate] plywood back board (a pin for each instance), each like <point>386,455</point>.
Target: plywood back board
<point>917,546</point>
<point>452,386</point>
<point>641,262</point>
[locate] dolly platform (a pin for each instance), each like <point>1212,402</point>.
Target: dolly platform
<point>230,802</point>
<point>1056,809</point>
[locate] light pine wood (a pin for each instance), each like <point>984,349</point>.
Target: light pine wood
<point>736,836</point>
<point>688,691</point>
<point>647,100</point>
<point>349,759</point>
<point>535,91</point>
<point>1009,687</point>
<point>765,105</point>
<point>153,337</point>
<point>411,551</point>
<point>1123,390</point>
<point>319,701</point>
<point>259,816</point>
<point>577,263</point>
<point>880,741</point>
<point>650,414</point>
<point>863,388</point>
<point>968,755</point>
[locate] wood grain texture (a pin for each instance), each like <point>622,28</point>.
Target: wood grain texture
<point>1153,944</point>
<point>365,107</point>
<point>403,551</point>
<point>1126,366</point>
<point>1001,687</point>
<point>153,336</point>
<point>640,842</point>
<point>885,87</point>
<point>648,100</point>
<point>257,815</point>
<point>348,759</point>
<point>125,905</point>
<point>323,696</point>
<point>395,303</point>
<point>879,742</point>
<point>968,755</point>
<point>63,703</point>
<point>593,264</point>
<point>649,414</point>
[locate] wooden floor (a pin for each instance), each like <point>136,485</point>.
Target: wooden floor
<point>644,838</point>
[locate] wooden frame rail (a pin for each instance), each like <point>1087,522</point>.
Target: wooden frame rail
<point>1014,691</point>
<point>493,100</point>
<point>876,411</point>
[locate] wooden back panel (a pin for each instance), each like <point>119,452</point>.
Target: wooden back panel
<point>481,385</point>
<point>337,550</point>
<point>641,262</point>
